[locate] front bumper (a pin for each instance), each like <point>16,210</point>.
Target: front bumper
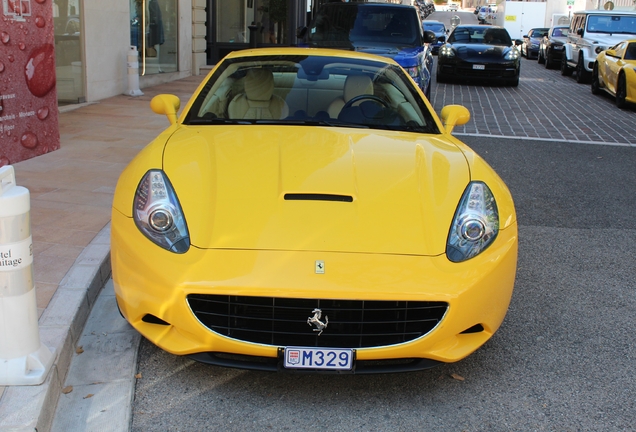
<point>490,72</point>
<point>151,286</point>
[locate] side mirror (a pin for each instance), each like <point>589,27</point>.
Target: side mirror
<point>579,31</point>
<point>454,115</point>
<point>167,105</point>
<point>429,37</point>
<point>441,39</point>
<point>301,32</point>
<point>518,42</point>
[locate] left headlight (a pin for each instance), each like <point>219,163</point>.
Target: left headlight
<point>158,215</point>
<point>475,225</point>
<point>513,54</point>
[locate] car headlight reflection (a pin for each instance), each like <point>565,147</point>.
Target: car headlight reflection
<point>158,215</point>
<point>475,225</point>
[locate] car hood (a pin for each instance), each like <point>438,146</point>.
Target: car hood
<point>559,40</point>
<point>481,52</point>
<point>606,40</point>
<point>234,184</point>
<point>405,56</point>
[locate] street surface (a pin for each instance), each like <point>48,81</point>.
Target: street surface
<point>564,357</point>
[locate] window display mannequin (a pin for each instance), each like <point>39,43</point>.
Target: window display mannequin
<point>155,28</point>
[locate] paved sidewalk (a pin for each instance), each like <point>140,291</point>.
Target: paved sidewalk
<point>71,195</point>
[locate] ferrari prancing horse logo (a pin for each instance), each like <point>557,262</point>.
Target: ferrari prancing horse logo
<point>315,321</point>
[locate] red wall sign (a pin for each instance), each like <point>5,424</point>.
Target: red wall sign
<point>28,99</point>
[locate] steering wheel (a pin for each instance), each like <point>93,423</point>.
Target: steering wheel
<point>365,97</point>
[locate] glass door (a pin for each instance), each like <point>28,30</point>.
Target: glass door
<point>69,67</point>
<point>154,31</point>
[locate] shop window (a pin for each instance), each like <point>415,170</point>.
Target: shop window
<point>153,30</point>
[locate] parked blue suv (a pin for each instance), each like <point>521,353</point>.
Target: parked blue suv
<point>389,30</point>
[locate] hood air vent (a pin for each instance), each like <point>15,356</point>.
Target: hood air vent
<point>317,197</point>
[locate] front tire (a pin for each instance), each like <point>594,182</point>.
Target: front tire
<point>621,92</point>
<point>596,85</point>
<point>565,69</point>
<point>582,76</point>
<point>549,61</point>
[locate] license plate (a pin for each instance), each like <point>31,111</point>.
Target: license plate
<point>479,67</point>
<point>318,358</point>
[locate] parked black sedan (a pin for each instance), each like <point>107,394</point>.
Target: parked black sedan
<point>552,46</point>
<point>478,52</point>
<point>531,42</point>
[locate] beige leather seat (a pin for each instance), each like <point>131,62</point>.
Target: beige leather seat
<point>355,85</point>
<point>258,101</point>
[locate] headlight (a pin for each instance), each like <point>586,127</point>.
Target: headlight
<point>475,225</point>
<point>414,71</point>
<point>513,54</point>
<point>557,47</point>
<point>598,49</point>
<point>446,51</point>
<point>158,215</point>
<point>534,45</point>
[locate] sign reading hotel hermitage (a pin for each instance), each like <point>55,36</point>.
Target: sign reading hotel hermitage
<point>15,256</point>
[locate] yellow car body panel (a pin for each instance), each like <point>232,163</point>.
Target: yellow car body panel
<point>611,66</point>
<point>157,282</point>
<point>387,242</point>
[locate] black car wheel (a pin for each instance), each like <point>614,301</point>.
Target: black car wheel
<point>621,92</point>
<point>540,57</point>
<point>596,85</point>
<point>514,82</point>
<point>582,76</point>
<point>549,61</point>
<point>565,69</point>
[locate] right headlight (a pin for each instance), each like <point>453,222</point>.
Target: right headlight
<point>475,225</point>
<point>158,215</point>
<point>446,51</point>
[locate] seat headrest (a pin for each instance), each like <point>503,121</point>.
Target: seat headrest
<point>259,84</point>
<point>357,85</point>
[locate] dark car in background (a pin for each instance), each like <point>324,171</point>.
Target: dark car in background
<point>479,53</point>
<point>552,46</point>
<point>389,30</point>
<point>439,28</point>
<point>532,41</point>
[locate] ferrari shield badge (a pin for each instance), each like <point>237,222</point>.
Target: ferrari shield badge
<point>320,267</point>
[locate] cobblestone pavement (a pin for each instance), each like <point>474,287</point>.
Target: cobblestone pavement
<point>545,106</point>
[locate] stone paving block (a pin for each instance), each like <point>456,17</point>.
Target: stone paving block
<point>96,407</point>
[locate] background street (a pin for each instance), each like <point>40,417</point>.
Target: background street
<point>564,357</point>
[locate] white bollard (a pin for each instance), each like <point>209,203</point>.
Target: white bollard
<point>23,359</point>
<point>133,72</point>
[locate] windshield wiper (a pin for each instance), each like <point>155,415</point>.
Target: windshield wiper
<point>312,122</point>
<point>216,121</point>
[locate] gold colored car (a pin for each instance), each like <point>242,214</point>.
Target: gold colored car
<point>615,72</point>
<point>308,210</point>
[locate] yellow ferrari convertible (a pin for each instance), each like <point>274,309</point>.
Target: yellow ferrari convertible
<point>309,211</point>
<point>615,72</point>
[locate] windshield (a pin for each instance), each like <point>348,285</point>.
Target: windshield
<point>437,28</point>
<point>480,35</point>
<point>560,32</point>
<point>612,24</point>
<point>313,91</point>
<point>349,24</point>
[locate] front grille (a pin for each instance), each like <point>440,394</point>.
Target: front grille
<point>283,321</point>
